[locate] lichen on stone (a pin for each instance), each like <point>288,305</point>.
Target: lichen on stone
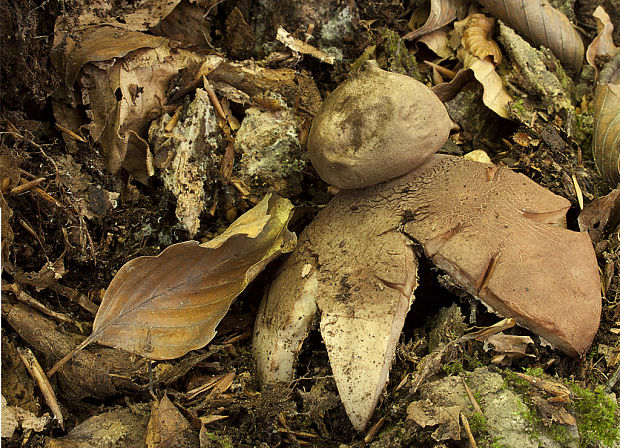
<point>271,155</point>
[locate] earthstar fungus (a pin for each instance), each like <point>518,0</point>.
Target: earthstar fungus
<point>495,232</point>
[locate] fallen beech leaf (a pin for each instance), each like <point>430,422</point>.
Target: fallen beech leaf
<point>168,428</point>
<point>606,135</point>
<point>121,427</point>
<point>437,42</point>
<point>603,43</point>
<point>541,24</point>
<point>448,90</point>
<point>136,16</point>
<point>442,13</point>
<point>512,345</point>
<point>425,413</point>
<point>601,216</point>
<point>95,44</point>
<point>494,95</point>
<point>162,307</point>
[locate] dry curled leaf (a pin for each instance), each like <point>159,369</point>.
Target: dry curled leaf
<point>437,42</point>
<point>494,95</point>
<point>477,38</point>
<point>541,24</point>
<point>162,307</point>
<point>124,75</point>
<point>442,13</point>
<point>603,44</point>
<point>606,135</point>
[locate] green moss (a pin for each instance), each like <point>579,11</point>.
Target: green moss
<point>396,57</point>
<point>597,416</point>
<point>598,419</point>
<point>453,368</point>
<point>534,371</point>
<point>368,53</point>
<point>478,424</point>
<point>519,111</point>
<point>498,444</point>
<point>517,105</point>
<point>582,131</point>
<point>217,441</point>
<point>520,385</point>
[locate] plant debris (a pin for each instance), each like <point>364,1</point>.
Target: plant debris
<point>129,129</point>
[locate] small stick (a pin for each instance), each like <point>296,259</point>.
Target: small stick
<point>33,366</point>
<point>24,297</point>
<point>174,120</point>
<point>216,103</point>
<point>471,397</point>
<point>372,432</point>
<point>578,191</point>
<point>26,186</point>
<point>613,380</point>
<point>470,436</point>
<point>70,133</point>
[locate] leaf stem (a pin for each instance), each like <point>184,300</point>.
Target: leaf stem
<point>68,356</point>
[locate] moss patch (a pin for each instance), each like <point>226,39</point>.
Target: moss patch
<point>597,416</point>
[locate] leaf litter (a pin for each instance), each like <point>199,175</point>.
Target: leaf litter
<point>284,81</point>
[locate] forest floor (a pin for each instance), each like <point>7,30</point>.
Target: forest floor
<point>77,205</point>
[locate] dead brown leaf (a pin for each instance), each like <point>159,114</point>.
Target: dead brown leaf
<point>125,79</point>
<point>494,95</point>
<point>606,135</point>
<point>437,41</point>
<point>162,307</point>
<point>168,428</point>
<point>477,38</point>
<point>541,24</point>
<point>601,216</point>
<point>136,16</point>
<point>442,13</point>
<point>120,427</point>
<point>511,345</point>
<point>603,44</point>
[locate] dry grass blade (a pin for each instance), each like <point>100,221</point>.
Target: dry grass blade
<point>442,13</point>
<point>606,135</point>
<point>162,307</point>
<point>541,24</point>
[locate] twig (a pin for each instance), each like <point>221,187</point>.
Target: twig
<point>372,432</point>
<point>472,399</point>
<point>26,186</point>
<point>24,297</point>
<point>470,436</point>
<point>213,98</point>
<point>33,366</point>
<point>613,380</point>
<point>71,134</point>
<point>74,296</point>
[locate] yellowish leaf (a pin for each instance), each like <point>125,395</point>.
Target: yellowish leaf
<point>162,307</point>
